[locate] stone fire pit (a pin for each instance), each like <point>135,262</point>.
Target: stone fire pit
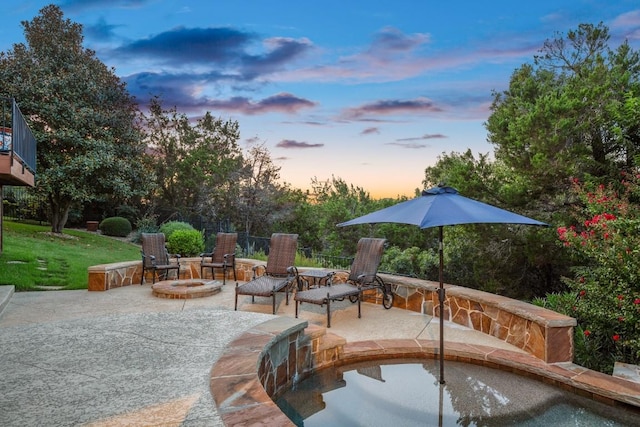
<point>186,288</point>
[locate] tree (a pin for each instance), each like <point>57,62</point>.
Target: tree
<point>570,114</point>
<point>198,166</point>
<point>513,261</point>
<point>560,116</point>
<point>263,201</point>
<point>337,201</point>
<point>80,113</point>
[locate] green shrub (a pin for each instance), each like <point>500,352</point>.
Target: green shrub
<point>129,212</point>
<point>605,286</point>
<point>146,224</point>
<point>187,243</point>
<point>168,228</point>
<point>115,226</point>
<point>409,262</point>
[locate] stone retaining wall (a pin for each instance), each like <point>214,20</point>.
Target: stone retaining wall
<point>543,333</point>
<point>108,276</point>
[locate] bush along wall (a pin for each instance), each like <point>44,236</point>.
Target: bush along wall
<point>115,226</point>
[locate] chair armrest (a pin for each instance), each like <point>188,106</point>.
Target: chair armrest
<point>229,258</point>
<point>255,269</point>
<point>362,277</point>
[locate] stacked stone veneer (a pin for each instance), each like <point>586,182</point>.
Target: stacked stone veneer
<point>543,333</point>
<point>108,276</point>
<point>264,362</point>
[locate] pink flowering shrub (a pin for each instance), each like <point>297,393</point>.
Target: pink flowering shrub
<point>606,285</point>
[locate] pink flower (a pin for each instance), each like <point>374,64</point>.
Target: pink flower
<point>616,337</point>
<point>620,297</point>
<point>636,301</point>
<point>582,293</point>
<point>587,333</point>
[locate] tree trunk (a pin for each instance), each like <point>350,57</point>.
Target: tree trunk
<point>59,213</point>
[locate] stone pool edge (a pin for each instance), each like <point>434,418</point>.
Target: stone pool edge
<point>264,361</point>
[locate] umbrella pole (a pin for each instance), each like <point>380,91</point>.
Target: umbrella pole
<point>441,300</point>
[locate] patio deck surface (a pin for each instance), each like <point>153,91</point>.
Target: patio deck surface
<point>125,357</point>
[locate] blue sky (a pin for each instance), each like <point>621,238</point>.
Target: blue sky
<point>368,91</point>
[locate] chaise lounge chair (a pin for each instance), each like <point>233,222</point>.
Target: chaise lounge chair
<point>156,258</point>
<point>223,256</point>
<point>362,276</point>
<point>278,273</point>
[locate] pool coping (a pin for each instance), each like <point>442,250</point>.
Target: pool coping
<point>238,378</point>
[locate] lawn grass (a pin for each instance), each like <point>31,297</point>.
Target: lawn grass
<point>33,258</point>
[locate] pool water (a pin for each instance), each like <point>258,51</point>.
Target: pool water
<point>407,393</point>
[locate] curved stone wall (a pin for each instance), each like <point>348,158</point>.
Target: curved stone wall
<point>543,333</point>
<point>246,379</point>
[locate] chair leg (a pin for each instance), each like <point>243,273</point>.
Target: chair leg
<point>224,275</point>
<point>274,300</point>
<point>142,278</point>
<point>328,311</point>
<point>236,306</point>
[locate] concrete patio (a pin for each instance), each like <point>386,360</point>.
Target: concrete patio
<point>125,357</point>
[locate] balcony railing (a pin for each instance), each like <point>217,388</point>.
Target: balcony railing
<point>16,138</point>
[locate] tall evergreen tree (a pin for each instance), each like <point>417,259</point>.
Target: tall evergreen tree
<point>560,117</point>
<point>81,114</point>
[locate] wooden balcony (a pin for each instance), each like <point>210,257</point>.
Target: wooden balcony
<point>17,146</point>
<point>14,171</point>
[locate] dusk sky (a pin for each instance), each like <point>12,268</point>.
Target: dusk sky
<point>368,91</point>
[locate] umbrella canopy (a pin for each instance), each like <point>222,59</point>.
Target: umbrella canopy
<point>438,207</point>
<point>442,206</point>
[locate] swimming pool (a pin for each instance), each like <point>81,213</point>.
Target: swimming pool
<point>407,393</point>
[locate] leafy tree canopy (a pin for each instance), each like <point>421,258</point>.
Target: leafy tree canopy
<point>80,113</point>
<point>198,166</point>
<point>570,113</point>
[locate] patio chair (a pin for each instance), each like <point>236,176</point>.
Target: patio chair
<point>363,275</point>
<point>222,257</point>
<point>278,274</point>
<point>156,258</point>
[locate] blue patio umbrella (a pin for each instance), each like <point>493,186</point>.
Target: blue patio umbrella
<point>437,207</point>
